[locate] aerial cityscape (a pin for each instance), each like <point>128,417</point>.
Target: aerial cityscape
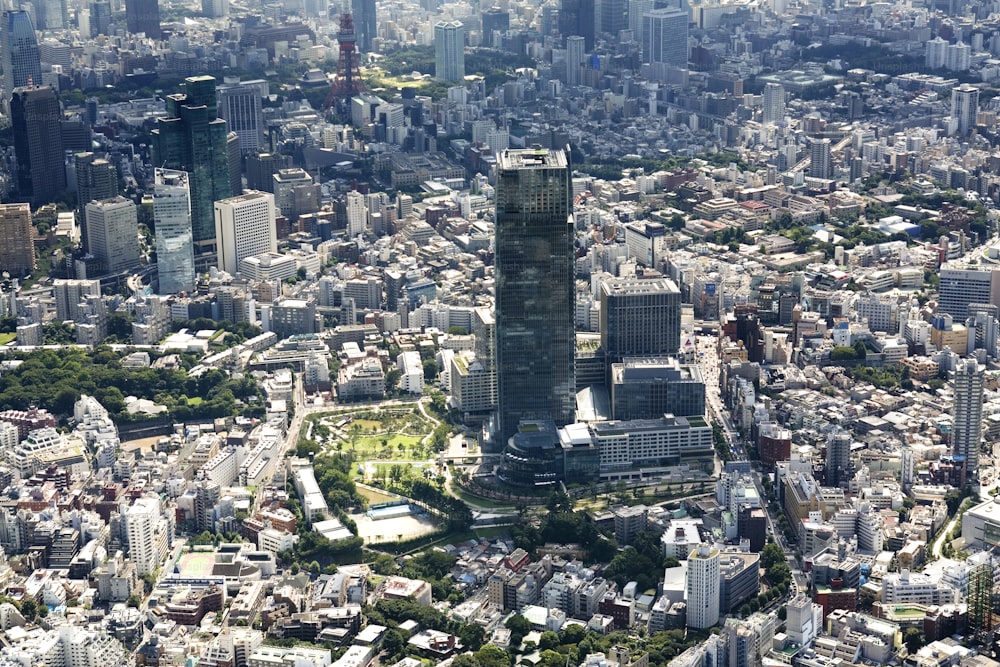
<point>576,333</point>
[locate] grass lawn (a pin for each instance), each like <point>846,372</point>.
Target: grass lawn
<point>7,338</point>
<point>197,400</point>
<point>366,424</point>
<point>374,442</point>
<point>374,496</point>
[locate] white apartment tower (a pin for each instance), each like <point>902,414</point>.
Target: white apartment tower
<point>174,234</point>
<point>147,534</point>
<point>357,214</point>
<point>244,227</point>
<point>703,587</point>
<point>774,103</point>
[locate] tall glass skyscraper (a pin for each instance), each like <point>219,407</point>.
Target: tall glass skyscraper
<point>143,16</point>
<point>174,240</point>
<point>38,147</point>
<point>535,341</point>
<point>21,63</point>
<point>364,23</point>
<point>193,138</point>
<point>449,51</point>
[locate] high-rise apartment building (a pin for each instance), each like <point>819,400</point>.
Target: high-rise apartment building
<point>241,106</point>
<point>69,294</point>
<point>449,51</point>
<point>773,111</point>
<point>534,289</point>
<point>22,65</point>
<point>967,414</point>
<point>640,318</point>
<point>575,54</point>
<point>143,16</point>
<point>113,233</point>
<point>365,23</point>
<point>193,138</point>
<point>838,459</point>
<point>820,159</point>
<point>174,237</point>
<point>665,36</point>
<point>357,214</point>
<point>702,587</point>
<point>965,107</point>
<point>147,535</point>
<point>245,226</point>
<point>38,146</point>
<point>17,249</point>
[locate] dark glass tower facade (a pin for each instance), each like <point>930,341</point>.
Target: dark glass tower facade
<point>364,23</point>
<point>143,16</point>
<point>535,341</point>
<point>576,17</point>
<point>21,63</point>
<point>193,138</point>
<point>38,147</point>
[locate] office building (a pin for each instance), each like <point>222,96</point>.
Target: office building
<point>960,287</point>
<point>821,164</point>
<point>535,336</point>
<point>235,158</point>
<point>295,193</point>
<point>69,294</point>
<point>648,388</point>
<point>773,111</point>
<point>611,16</point>
<point>640,318</point>
<point>449,51</point>
<point>174,237</point>
<point>147,535</point>
<point>575,55</point>
<point>51,15</point>
<point>965,107</point>
<point>241,106</point>
<point>17,249</point>
<point>143,16</point>
<point>576,17</point>
<point>113,233</point>
<point>664,36</point>
<point>38,146</point>
<point>215,9</point>
<point>245,226</point>
<point>22,65</point>
<point>96,179</point>
<point>261,169</point>
<point>967,413</point>
<point>100,18</point>
<point>365,23</point>
<point>627,449</point>
<point>193,138</point>
<point>495,21</point>
<point>293,317</point>
<point>702,586</point>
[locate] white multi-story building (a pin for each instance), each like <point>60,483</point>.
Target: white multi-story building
<point>915,588</point>
<point>412,370</point>
<point>244,226</point>
<point>703,587</point>
<point>804,620</point>
<point>357,214</point>
<point>148,534</point>
<point>113,233</point>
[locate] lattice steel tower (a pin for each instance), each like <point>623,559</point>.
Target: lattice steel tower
<point>347,83</point>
